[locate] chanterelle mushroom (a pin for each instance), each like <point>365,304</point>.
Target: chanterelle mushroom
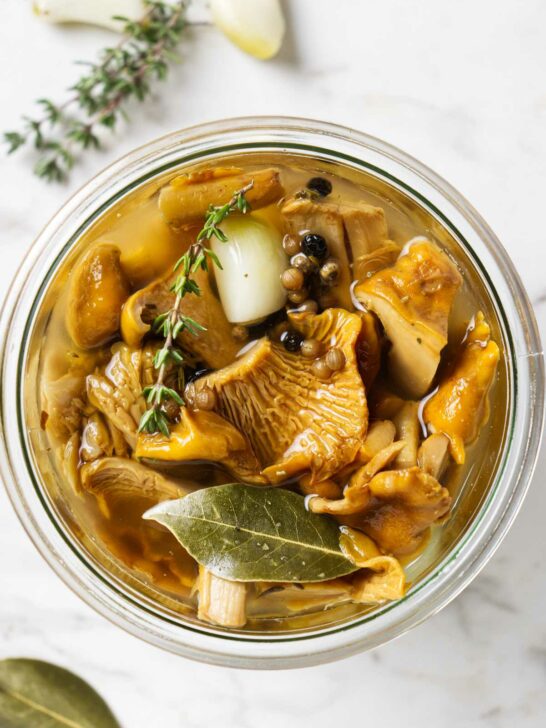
<point>303,216</point>
<point>362,226</point>
<point>294,421</point>
<point>383,578</point>
<point>413,299</point>
<point>116,391</point>
<point>215,347</point>
<point>404,503</point>
<point>202,436</point>
<point>221,601</point>
<point>118,478</point>
<point>460,406</point>
<point>186,199</point>
<point>98,290</point>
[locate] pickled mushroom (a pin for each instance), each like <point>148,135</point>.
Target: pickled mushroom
<point>404,503</point>
<point>380,435</point>
<point>382,578</point>
<point>202,436</point>
<point>123,490</point>
<point>413,300</point>
<point>215,346</point>
<point>433,454</point>
<point>101,439</point>
<point>302,216</point>
<point>64,403</point>
<point>294,421</point>
<point>116,391</point>
<point>186,199</point>
<point>368,264</point>
<point>357,495</point>
<point>408,431</point>
<point>369,349</point>
<point>221,601</point>
<point>98,290</point>
<point>365,227</point>
<point>300,597</point>
<point>460,406</point>
<point>112,478</point>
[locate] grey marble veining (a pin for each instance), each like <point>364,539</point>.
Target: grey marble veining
<point>460,86</point>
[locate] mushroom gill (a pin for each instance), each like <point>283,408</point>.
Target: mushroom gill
<point>294,421</point>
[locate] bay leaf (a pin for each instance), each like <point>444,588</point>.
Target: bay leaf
<point>248,533</point>
<point>36,694</point>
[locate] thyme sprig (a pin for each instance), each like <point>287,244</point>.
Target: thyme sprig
<point>98,98</point>
<point>173,322</point>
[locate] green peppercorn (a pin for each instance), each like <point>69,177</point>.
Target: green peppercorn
<point>320,369</point>
<point>310,348</point>
<point>292,279</point>
<point>335,359</point>
<point>302,262</point>
<point>290,245</point>
<point>298,296</point>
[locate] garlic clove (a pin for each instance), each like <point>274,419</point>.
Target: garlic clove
<point>252,259</point>
<point>94,12</point>
<point>256,26</point>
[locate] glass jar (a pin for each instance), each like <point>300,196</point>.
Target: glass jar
<point>344,632</point>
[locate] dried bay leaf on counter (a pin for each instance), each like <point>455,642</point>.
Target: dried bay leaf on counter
<point>247,533</point>
<point>42,695</point>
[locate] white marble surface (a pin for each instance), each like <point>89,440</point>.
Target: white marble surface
<point>459,85</point>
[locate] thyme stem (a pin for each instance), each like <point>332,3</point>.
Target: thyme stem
<point>122,72</point>
<point>174,322</point>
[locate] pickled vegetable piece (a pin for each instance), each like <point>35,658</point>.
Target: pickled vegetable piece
<point>98,290</point>
<point>186,199</point>
<point>203,436</point>
<point>293,420</point>
<point>252,260</point>
<point>460,406</point>
<point>215,346</point>
<point>404,503</point>
<point>221,601</point>
<point>413,299</point>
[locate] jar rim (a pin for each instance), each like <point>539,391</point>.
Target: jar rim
<point>496,513</point>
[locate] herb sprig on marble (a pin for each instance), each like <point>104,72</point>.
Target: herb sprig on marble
<point>97,100</point>
<point>173,322</point>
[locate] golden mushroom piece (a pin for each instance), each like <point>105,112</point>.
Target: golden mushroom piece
<point>413,299</point>
<point>294,421</point>
<point>460,406</point>
<point>215,346</point>
<point>98,290</point>
<point>116,478</point>
<point>404,503</point>
<point>201,436</point>
<point>186,199</point>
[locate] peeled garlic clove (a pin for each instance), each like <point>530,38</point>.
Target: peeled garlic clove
<point>252,260</point>
<point>94,12</point>
<point>256,26</point>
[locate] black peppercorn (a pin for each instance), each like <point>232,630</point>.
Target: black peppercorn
<point>321,186</point>
<point>291,340</point>
<point>197,373</point>
<point>315,245</point>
